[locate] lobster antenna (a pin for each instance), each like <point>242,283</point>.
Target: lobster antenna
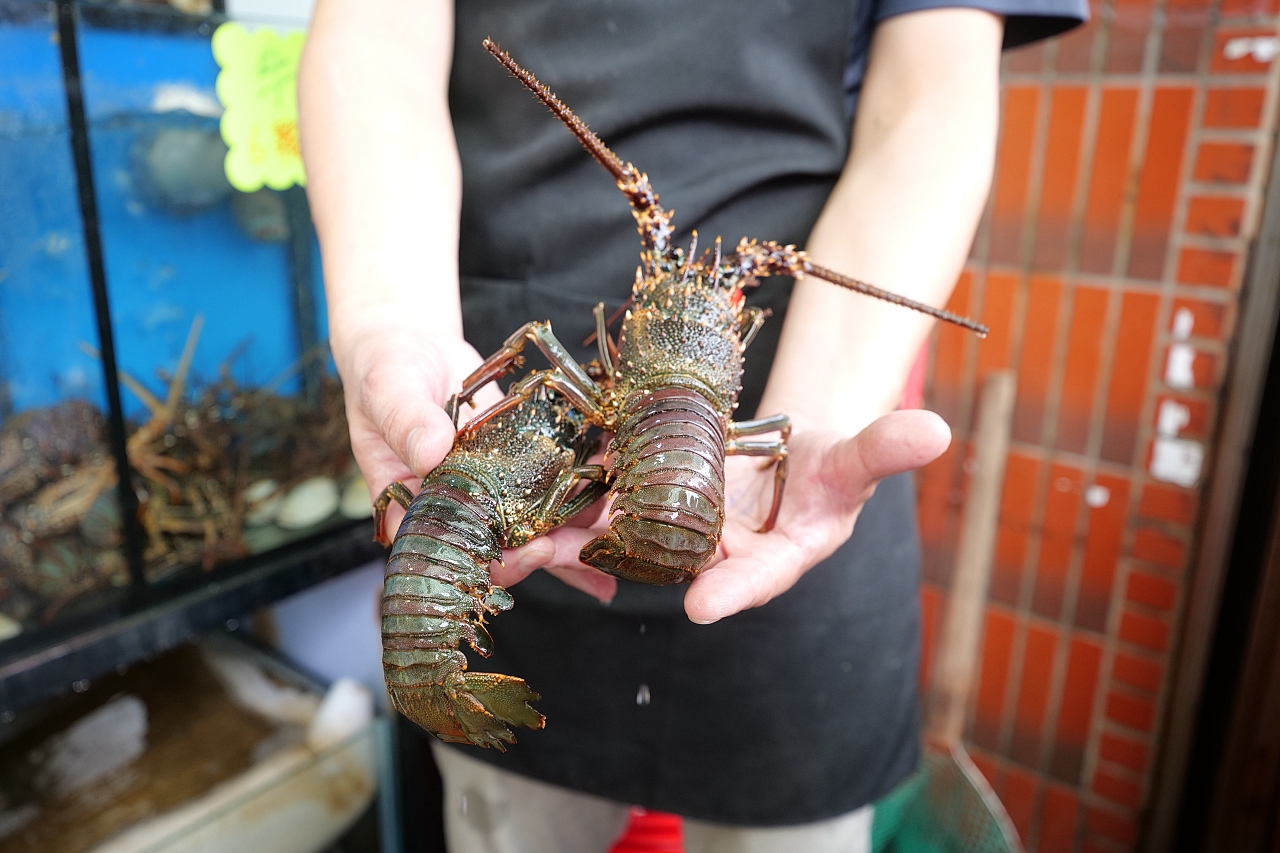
<point>834,277</point>
<point>653,221</point>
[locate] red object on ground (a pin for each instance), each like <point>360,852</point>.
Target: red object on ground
<point>651,832</point>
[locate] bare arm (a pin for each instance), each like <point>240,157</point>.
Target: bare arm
<point>385,189</point>
<point>902,216</point>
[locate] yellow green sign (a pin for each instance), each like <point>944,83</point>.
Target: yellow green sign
<point>258,88</point>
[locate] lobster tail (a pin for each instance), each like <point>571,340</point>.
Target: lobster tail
<point>667,512</point>
<point>436,594</point>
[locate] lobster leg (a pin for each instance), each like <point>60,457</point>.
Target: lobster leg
<point>398,492</point>
<point>524,389</point>
<point>777,450</point>
<point>557,507</point>
<point>564,507</point>
<point>541,336</point>
<point>755,318</point>
<point>556,380</point>
<point>773,423</point>
<point>608,350</point>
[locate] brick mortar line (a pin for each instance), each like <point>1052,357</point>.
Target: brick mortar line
<point>1153,391</point>
<point>1202,292</point>
<point>1036,167</point>
<point>1063,625</point>
<point>1258,178</point>
<point>1250,135</point>
<point>1218,80</point>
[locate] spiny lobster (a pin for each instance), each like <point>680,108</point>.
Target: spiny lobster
<point>669,384</point>
<point>510,476</point>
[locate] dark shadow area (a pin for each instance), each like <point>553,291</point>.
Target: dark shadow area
<point>1235,616</point>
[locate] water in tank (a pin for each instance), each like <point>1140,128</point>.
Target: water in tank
<point>234,427</point>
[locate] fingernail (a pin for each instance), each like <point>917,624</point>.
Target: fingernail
<point>704,621</point>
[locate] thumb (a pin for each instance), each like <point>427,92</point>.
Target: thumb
<point>899,441</point>
<point>400,403</point>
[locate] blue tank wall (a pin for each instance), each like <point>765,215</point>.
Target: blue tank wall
<point>46,307</point>
<point>162,268</point>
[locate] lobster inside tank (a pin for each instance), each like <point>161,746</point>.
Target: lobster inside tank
<point>226,406</point>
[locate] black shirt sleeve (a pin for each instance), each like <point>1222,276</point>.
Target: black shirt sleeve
<point>1025,20</point>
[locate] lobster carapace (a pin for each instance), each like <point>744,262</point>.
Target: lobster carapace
<point>668,386</point>
<point>513,473</point>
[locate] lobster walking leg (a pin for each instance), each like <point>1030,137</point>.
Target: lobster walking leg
<point>753,320</point>
<point>541,336</point>
<point>398,492</point>
<point>776,450</point>
<point>773,423</point>
<point>557,506</point>
<point>608,350</point>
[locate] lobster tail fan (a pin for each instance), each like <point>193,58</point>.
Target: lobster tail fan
<point>505,697</point>
<point>653,222</point>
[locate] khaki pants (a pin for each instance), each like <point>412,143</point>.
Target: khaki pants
<point>488,810</point>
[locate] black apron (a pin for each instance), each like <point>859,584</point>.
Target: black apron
<point>802,709</point>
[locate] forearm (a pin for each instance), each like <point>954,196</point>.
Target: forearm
<point>902,216</point>
<point>382,166</point>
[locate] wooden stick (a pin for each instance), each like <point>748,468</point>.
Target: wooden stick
<point>953,674</point>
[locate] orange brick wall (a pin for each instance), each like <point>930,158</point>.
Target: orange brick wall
<point>1132,158</point>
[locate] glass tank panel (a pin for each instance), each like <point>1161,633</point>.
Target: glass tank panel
<point>60,531</point>
<point>238,439</point>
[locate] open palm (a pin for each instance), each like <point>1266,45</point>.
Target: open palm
<point>830,478</point>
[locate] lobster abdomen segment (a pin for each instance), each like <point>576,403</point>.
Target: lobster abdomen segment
<point>436,593</point>
<point>668,506</point>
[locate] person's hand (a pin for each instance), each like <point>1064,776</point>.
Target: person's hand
<point>830,478</point>
<point>396,383</point>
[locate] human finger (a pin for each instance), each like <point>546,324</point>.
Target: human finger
<point>755,572</point>
<point>897,442</point>
<point>544,553</point>
<point>593,582</point>
<point>518,563</point>
<point>394,398</point>
<point>760,567</point>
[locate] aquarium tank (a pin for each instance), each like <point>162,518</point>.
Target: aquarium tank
<point>168,406</point>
